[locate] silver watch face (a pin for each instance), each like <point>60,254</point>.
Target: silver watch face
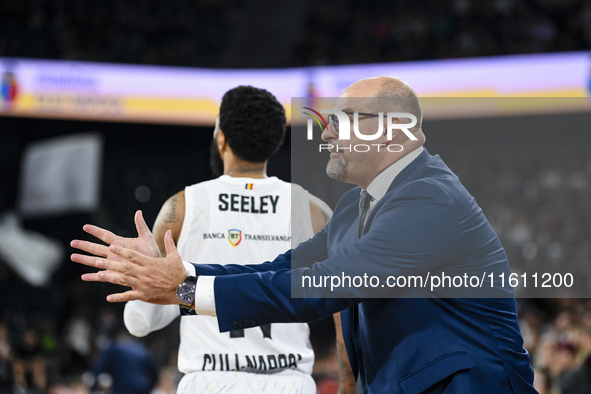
<point>186,293</point>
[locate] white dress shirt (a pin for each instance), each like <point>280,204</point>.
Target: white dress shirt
<point>379,186</point>
<point>204,291</point>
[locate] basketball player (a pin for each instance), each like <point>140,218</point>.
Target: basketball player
<point>241,217</point>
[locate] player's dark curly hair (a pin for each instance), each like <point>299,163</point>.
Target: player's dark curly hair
<point>253,122</point>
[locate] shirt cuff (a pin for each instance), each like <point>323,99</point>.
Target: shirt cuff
<point>190,268</point>
<point>204,294</point>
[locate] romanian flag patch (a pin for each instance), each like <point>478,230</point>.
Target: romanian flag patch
<point>249,186</point>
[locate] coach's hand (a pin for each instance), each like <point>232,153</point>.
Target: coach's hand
<point>144,243</point>
<point>152,279</point>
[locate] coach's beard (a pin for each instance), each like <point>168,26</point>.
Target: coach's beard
<point>337,169</point>
<point>215,160</point>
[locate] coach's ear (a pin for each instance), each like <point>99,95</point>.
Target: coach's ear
<point>221,142</point>
<point>395,131</point>
<point>385,125</point>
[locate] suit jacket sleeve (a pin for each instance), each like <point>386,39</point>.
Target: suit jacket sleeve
<point>414,230</point>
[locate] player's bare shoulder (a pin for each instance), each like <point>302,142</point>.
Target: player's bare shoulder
<point>171,217</point>
<point>320,213</point>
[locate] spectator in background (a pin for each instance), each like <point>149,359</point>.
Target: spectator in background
<point>541,381</point>
<point>166,382</point>
<point>326,368</point>
<point>30,370</point>
<point>6,378</point>
<point>562,358</point>
<point>73,388</point>
<point>129,364</point>
<point>106,328</point>
<point>561,353</point>
<point>78,338</point>
<point>577,380</point>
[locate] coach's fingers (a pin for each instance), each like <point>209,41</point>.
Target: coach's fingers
<point>104,235</point>
<point>92,277</point>
<point>91,261</point>
<point>140,224</point>
<point>169,245</point>
<point>90,247</point>
<point>113,277</point>
<point>130,255</point>
<point>123,267</point>
<point>130,295</point>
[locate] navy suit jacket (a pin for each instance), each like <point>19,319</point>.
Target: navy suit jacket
<point>409,342</point>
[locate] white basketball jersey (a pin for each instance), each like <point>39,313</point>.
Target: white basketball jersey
<point>243,221</point>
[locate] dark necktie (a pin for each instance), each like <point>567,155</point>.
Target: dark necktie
<point>364,202</point>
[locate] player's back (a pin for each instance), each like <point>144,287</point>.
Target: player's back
<point>243,221</point>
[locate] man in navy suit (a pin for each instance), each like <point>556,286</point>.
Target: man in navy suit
<point>409,216</point>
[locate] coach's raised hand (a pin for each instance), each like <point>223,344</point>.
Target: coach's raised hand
<point>152,279</point>
<point>144,243</point>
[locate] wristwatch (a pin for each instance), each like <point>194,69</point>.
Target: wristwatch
<point>186,293</point>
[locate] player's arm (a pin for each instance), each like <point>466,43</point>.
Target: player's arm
<point>320,217</point>
<point>171,217</point>
<point>320,214</point>
<point>139,317</point>
<point>347,384</point>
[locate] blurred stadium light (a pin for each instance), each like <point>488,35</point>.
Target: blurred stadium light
<point>175,95</point>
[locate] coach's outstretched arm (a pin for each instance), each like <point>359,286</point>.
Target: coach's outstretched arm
<point>147,246</point>
<point>155,279</point>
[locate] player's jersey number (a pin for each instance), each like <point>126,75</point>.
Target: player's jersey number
<point>266,329</point>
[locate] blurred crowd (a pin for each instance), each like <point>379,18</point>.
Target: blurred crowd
<point>199,33</point>
<point>539,206</point>
<point>92,353</point>
<point>557,333</point>
<point>86,354</point>
<point>180,33</point>
<point>365,31</point>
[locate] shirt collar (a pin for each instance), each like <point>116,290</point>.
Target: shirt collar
<point>379,186</point>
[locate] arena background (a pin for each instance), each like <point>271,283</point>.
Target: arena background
<point>534,187</point>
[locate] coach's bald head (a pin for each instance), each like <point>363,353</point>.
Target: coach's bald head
<point>391,95</point>
<point>372,96</point>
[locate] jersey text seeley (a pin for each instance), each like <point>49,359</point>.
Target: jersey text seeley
<point>248,204</point>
